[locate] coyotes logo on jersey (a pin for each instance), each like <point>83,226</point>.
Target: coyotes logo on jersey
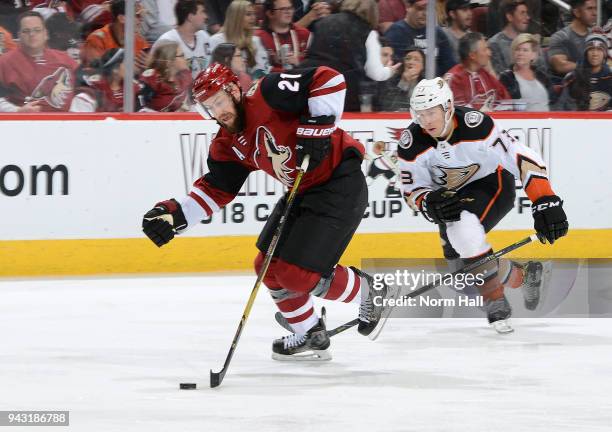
<point>277,154</point>
<point>454,177</point>
<point>55,89</point>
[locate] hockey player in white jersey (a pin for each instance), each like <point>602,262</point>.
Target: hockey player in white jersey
<point>458,169</point>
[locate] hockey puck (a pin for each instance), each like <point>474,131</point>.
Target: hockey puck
<point>187,386</point>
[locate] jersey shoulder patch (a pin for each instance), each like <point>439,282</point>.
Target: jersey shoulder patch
<point>413,141</point>
<point>472,125</point>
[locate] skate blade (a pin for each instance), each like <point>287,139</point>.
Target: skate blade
<point>502,327</point>
<point>306,356</point>
<point>384,316</point>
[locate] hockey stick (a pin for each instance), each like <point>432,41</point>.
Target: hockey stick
<point>433,285</point>
<point>217,377</point>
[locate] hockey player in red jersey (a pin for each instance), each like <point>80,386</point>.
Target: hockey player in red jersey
<point>271,127</point>
<point>458,169</point>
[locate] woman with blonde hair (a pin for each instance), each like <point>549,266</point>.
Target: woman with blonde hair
<point>166,84</point>
<point>348,42</point>
<point>238,29</point>
<point>523,80</point>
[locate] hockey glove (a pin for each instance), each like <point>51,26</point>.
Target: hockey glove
<point>314,139</point>
<point>162,222</point>
<point>549,219</point>
<point>442,206</point>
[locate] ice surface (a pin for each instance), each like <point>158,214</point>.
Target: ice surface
<point>113,352</point>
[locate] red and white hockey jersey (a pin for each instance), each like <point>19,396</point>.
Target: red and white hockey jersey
<point>49,78</point>
<point>475,149</point>
<point>273,106</point>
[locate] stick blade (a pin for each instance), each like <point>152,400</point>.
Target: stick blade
<point>215,379</point>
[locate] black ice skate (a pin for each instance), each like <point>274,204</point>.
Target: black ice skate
<point>373,316</point>
<point>309,347</point>
<point>498,314</point>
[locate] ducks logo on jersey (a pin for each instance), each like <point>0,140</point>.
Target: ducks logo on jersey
<point>455,177</point>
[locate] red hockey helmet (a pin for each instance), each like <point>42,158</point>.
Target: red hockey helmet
<point>214,78</point>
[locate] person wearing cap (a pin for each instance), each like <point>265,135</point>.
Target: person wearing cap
<point>566,46</point>
<point>459,14</point>
<point>411,32</point>
<point>589,86</point>
<point>112,36</point>
<point>516,19</point>
<point>102,91</point>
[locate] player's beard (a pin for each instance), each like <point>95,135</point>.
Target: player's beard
<point>238,124</point>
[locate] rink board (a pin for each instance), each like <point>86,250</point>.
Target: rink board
<point>73,190</point>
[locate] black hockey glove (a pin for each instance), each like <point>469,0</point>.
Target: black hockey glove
<point>163,221</point>
<point>314,139</point>
<point>442,205</point>
<point>549,219</point>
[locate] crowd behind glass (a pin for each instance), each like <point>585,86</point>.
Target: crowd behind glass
<point>521,55</point>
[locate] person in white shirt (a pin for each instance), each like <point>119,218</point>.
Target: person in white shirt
<point>190,34</point>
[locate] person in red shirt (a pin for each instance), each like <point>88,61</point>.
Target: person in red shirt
<point>272,127</point>
<point>471,81</point>
<point>285,42</point>
<point>165,85</point>
<point>390,11</point>
<point>33,77</point>
<point>112,36</point>
<point>103,90</point>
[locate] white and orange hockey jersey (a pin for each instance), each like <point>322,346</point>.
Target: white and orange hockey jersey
<point>475,149</point>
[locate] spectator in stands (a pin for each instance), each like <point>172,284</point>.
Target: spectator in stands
<point>229,55</point>
<point>567,45</point>
<point>524,80</point>
<point>158,18</point>
<point>6,41</point>
<point>167,82</point>
<point>190,34</point>
<point>33,77</point>
<point>103,91</point>
<point>216,14</point>
<point>459,13</point>
<point>394,94</point>
<point>64,35</point>
<point>495,16</point>
<point>386,52</point>
<point>589,86</point>
<point>411,32</point>
<point>238,29</point>
<point>307,12</point>
<point>390,11</point>
<point>285,42</point>
<point>347,42</point>
<point>112,36</point>
<point>472,84</point>
<point>515,20</point>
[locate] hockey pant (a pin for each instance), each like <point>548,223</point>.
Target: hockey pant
<point>463,242</point>
<point>317,232</point>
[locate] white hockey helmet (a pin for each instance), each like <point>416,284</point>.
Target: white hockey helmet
<point>429,93</point>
